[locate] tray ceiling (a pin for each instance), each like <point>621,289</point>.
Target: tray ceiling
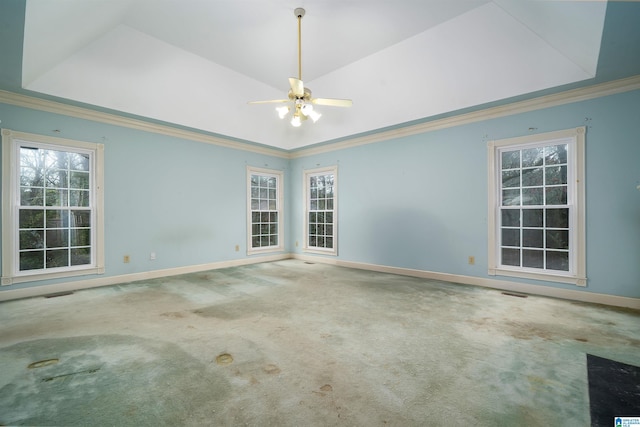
<point>196,63</point>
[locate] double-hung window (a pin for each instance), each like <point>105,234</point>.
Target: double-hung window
<point>536,203</point>
<point>321,204</point>
<point>265,220</point>
<point>52,207</point>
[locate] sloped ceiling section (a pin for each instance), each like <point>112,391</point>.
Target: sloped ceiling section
<point>196,63</point>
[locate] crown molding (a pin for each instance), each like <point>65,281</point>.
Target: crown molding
<point>25,101</point>
<point>546,101</point>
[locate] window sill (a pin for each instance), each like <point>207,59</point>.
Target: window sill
<point>11,280</point>
<point>558,278</point>
<point>270,249</point>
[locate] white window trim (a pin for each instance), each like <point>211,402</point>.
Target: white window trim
<point>305,187</point>
<point>280,208</point>
<point>10,201</point>
<point>577,233</point>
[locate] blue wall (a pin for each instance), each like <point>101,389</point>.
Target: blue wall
<point>183,200</point>
<point>420,202</point>
<point>416,202</point>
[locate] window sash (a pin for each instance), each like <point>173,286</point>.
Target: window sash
<point>264,201</point>
<point>527,196</point>
<point>50,207</point>
<point>321,211</point>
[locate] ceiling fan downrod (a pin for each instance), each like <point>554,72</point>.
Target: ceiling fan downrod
<point>299,12</point>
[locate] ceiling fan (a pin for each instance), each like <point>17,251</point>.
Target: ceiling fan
<point>299,95</point>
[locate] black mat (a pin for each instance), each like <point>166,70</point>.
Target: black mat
<point>614,390</point>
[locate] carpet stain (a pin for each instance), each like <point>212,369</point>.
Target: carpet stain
<point>271,369</point>
<point>43,363</point>
<point>224,359</point>
<point>109,374</point>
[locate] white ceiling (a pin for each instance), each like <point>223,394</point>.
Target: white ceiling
<point>196,63</point>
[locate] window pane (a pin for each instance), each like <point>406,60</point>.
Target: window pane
<point>511,217</point>
<point>80,218</point>
<point>558,239</point>
<point>80,237</point>
<point>556,195</point>
<point>328,242</point>
<point>57,238</point>
<point>31,196</point>
<point>558,260</point>
<point>56,179</point>
<point>79,198</point>
<point>79,180</point>
<point>510,178</point>
<point>56,197</point>
<point>80,256</point>
<point>79,162</point>
<point>558,218</point>
<point>532,217</point>
<point>511,256</point>
<point>31,260</point>
<point>532,196</point>
<point>533,259</point>
<point>532,177</point>
<point>532,238</point>
<point>57,218</point>
<point>555,154</point>
<point>29,218</point>
<point>57,258</point>
<point>510,237</point>
<point>31,239</point>
<point>511,197</point>
<point>532,157</point>
<point>510,159</point>
<point>31,177</point>
<point>555,175</point>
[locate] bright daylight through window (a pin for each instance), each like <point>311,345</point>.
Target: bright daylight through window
<point>321,210</point>
<point>537,218</point>
<point>265,215</point>
<point>51,215</point>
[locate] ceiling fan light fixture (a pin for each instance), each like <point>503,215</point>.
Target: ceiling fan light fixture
<point>282,111</point>
<point>300,95</point>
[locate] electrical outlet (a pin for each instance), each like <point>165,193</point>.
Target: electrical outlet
<point>126,259</point>
<point>152,256</point>
<point>296,243</point>
<point>237,248</point>
<point>472,260</point>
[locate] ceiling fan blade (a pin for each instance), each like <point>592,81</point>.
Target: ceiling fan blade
<point>297,87</point>
<point>332,102</point>
<point>271,101</point>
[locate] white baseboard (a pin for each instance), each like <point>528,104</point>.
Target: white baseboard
<point>505,285</point>
<point>36,291</point>
<point>569,294</point>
